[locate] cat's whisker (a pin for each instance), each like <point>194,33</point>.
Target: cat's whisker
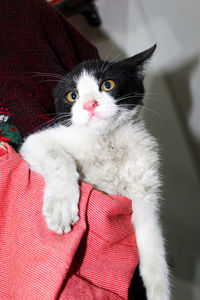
<point>161,94</point>
<point>125,104</point>
<point>53,75</point>
<point>146,94</point>
<point>66,78</point>
<point>50,80</point>
<point>156,96</point>
<point>62,117</point>
<point>121,113</point>
<point>129,94</point>
<point>125,98</point>
<point>67,123</point>
<point>133,96</point>
<point>155,112</point>
<point>150,98</point>
<point>61,69</point>
<point>112,61</point>
<point>104,69</point>
<point>54,114</point>
<point>105,59</point>
<point>97,64</point>
<point>45,73</point>
<point>48,75</point>
<point>57,119</point>
<point>149,93</point>
<point>44,125</point>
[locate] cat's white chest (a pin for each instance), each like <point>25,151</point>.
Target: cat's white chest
<point>102,168</point>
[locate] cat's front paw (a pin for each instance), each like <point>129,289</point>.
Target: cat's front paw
<point>60,209</point>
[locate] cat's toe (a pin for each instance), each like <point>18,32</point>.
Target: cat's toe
<point>70,217</point>
<point>75,219</point>
<point>61,212</point>
<point>53,219</point>
<point>54,226</point>
<point>66,229</point>
<point>60,221</point>
<point>74,214</point>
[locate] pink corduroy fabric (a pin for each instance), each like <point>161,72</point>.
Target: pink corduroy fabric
<point>96,260</point>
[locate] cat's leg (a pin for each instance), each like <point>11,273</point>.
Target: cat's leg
<point>45,155</point>
<point>143,189</point>
<point>153,266</point>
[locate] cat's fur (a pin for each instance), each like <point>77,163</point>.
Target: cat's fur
<point>112,150</point>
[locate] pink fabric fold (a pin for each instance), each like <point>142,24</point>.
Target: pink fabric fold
<point>96,260</point>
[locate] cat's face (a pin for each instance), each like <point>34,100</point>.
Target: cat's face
<point>100,95</point>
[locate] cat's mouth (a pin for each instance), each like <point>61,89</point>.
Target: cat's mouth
<point>99,118</point>
<point>94,117</point>
<point>91,108</point>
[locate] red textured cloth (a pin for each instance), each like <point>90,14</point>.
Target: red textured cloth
<point>96,260</point>
<point>35,37</point>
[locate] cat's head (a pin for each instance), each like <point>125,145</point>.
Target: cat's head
<point>100,95</point>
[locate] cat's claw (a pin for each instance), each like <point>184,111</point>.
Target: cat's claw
<point>60,212</point>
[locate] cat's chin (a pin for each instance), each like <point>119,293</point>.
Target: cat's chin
<point>95,124</point>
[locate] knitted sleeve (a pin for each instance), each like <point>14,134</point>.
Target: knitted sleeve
<point>35,37</point>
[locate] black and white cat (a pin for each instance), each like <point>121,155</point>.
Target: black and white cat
<point>101,138</point>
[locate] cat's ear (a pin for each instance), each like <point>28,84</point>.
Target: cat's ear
<point>138,61</point>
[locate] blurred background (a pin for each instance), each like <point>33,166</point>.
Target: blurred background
<point>171,111</point>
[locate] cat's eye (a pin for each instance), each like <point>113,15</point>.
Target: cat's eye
<point>107,85</point>
<point>72,96</point>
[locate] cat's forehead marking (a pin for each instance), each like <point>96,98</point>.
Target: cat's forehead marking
<point>87,82</point>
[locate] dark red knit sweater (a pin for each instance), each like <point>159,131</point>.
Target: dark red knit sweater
<point>34,37</point>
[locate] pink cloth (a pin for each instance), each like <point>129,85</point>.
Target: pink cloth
<point>96,260</point>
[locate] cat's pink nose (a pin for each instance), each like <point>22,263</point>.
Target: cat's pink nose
<point>90,106</point>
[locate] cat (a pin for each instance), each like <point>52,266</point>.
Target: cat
<point>101,138</point>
